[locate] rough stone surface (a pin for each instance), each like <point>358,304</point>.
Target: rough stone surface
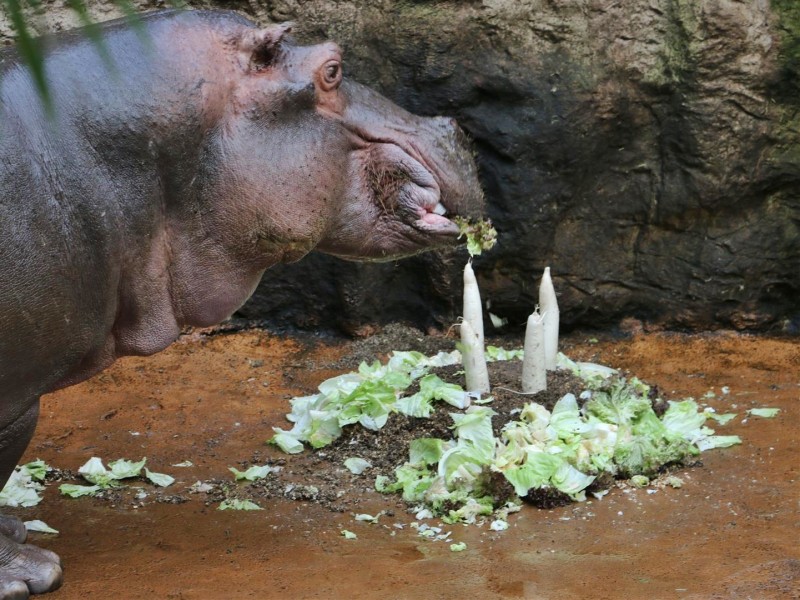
<point>647,150</point>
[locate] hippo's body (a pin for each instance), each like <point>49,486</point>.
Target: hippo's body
<point>167,180</point>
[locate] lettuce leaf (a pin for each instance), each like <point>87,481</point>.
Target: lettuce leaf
<point>159,479</point>
<point>238,505</point>
<point>21,489</point>
<point>253,472</point>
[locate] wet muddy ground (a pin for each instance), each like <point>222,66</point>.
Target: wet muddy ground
<point>731,531</point>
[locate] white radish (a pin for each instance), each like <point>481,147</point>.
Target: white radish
<point>534,371</point>
<point>473,311</point>
<point>474,359</point>
<point>549,307</point>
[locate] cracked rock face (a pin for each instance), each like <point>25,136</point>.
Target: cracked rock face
<point>648,151</point>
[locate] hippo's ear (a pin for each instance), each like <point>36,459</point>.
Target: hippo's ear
<point>259,47</point>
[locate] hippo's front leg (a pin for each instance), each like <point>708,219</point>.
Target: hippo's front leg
<point>24,569</point>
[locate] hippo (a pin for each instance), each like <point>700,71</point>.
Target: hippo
<point>179,160</point>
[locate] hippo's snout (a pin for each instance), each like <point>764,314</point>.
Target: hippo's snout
<point>426,176</point>
<point>453,162</point>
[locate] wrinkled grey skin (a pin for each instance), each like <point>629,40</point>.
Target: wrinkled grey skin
<point>164,186</point>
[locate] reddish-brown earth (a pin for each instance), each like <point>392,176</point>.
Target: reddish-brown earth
<point>731,531</point>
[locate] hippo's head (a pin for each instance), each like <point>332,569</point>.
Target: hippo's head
<point>347,171</point>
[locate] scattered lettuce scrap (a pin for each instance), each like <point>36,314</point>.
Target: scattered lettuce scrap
<point>494,353</point>
<point>480,235</point>
<point>765,413</point>
<point>368,518</point>
<point>254,472</point>
<point>102,478</point>
<point>23,486</point>
<point>39,526</point>
<point>720,419</point>
<point>73,490</point>
<point>458,547</point>
<point>349,535</point>
<point>234,504</point>
<point>159,479</point>
<point>357,465</point>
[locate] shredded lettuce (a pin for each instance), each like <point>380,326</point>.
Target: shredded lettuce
<point>39,526</point>
<point>766,413</point>
<point>96,473</point>
<point>253,472</point>
<point>159,479</point>
<point>238,505</point>
<point>22,487</point>
<point>357,465</point>
<point>74,490</point>
<point>426,451</point>
<point>494,353</point>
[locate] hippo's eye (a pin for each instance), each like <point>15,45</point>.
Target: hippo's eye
<point>331,74</point>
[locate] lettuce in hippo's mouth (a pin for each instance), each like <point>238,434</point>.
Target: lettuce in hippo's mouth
<point>480,235</point>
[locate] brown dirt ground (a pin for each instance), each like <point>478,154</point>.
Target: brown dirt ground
<point>730,532</point>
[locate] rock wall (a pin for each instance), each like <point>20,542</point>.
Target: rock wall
<point>647,150</point>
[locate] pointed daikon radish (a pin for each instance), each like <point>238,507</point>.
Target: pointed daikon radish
<point>475,371</point>
<point>473,311</point>
<point>534,371</point>
<point>548,305</point>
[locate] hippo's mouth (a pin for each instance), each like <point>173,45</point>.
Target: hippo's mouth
<point>405,187</point>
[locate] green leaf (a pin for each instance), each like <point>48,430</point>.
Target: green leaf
<point>357,465</point>
<point>480,235</point>
<point>76,491</point>
<point>252,473</point>
<point>238,505</point>
<point>95,472</point>
<point>39,526</point>
<point>412,480</point>
<point>470,511</point>
<point>475,427</point>
<point>684,418</point>
<point>159,479</point>
<point>718,441</point>
<point>416,405</point>
<point>493,353</point>
<point>37,469</point>
<point>30,51</point>
<point>426,451</point>
<point>21,489</point>
<point>535,473</point>
<point>125,469</point>
<point>618,403</point>
<point>569,480</point>
<point>721,419</point>
<point>765,413</point>
<point>286,441</point>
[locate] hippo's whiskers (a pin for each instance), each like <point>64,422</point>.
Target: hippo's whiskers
<point>385,183</point>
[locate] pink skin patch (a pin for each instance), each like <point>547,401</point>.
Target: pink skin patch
<point>432,218</point>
